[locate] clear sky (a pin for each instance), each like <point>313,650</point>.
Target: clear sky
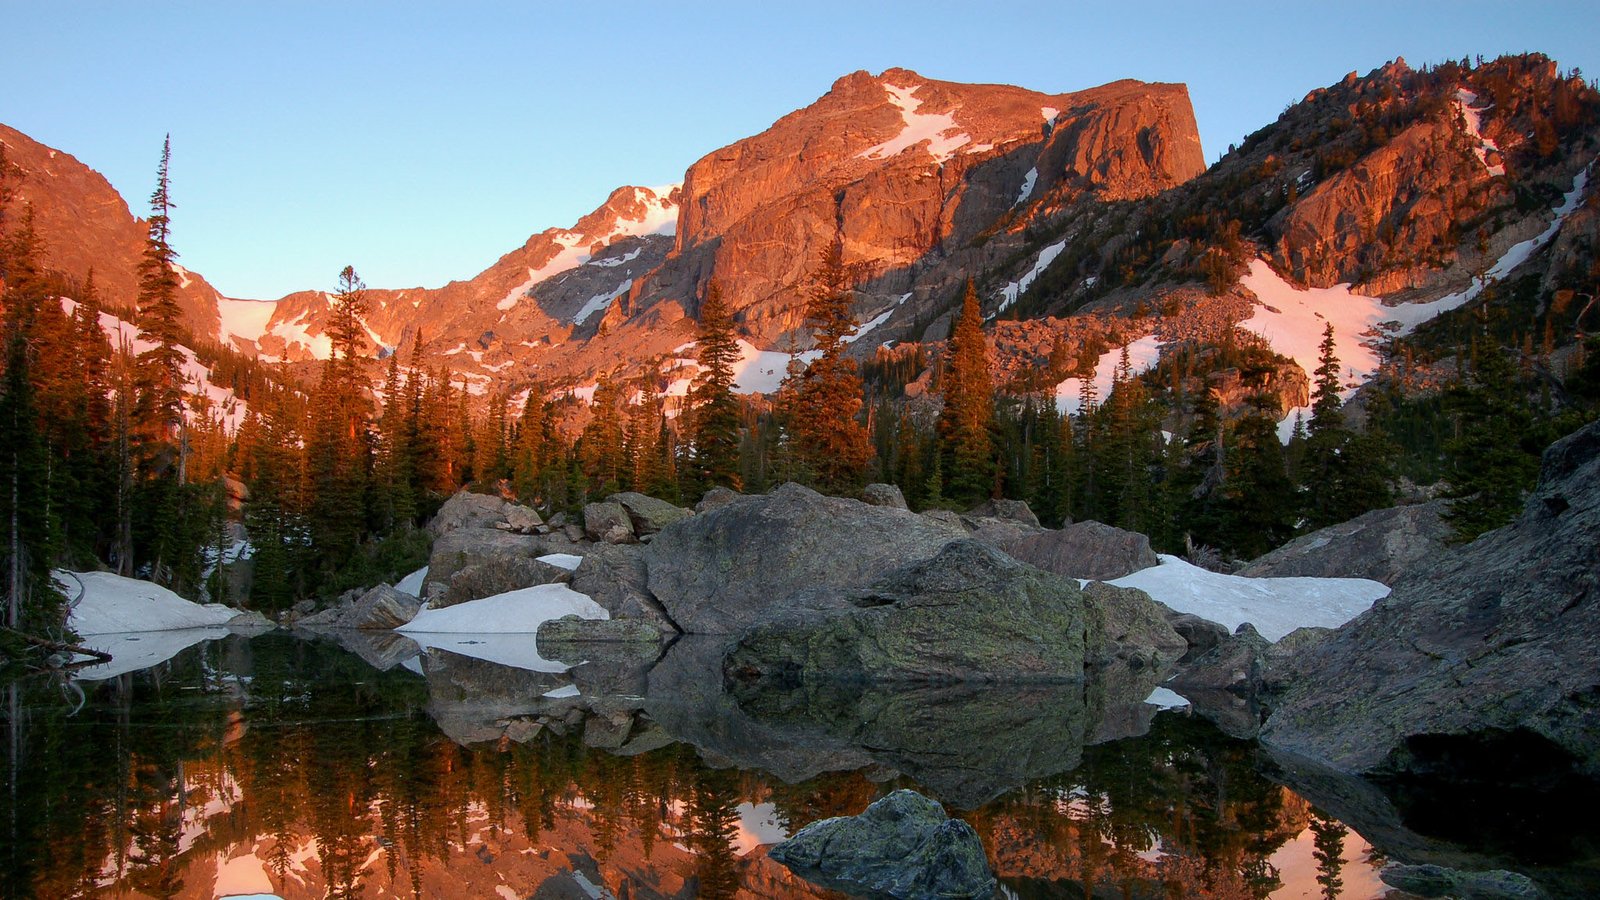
<point>418,142</point>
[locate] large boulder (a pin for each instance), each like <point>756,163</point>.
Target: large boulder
<point>1125,625</point>
<point>1382,545</point>
<point>473,545</point>
<point>1005,510</point>
<point>1496,643</point>
<point>467,510</point>
<point>902,846</point>
<point>723,570</point>
<point>615,577</point>
<point>883,495</point>
<point>381,608</point>
<point>608,523</point>
<point>970,613</point>
<point>1089,550</point>
<point>498,575</point>
<point>647,514</point>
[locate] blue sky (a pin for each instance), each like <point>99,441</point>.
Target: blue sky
<point>418,142</point>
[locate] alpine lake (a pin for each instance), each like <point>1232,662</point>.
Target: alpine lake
<point>292,765</point>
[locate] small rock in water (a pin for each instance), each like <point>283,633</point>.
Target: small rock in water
<point>901,846</point>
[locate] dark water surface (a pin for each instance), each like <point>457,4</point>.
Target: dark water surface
<point>298,767</point>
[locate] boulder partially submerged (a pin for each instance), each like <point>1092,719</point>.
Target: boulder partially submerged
<point>901,846</point>
<point>728,568</point>
<point>970,613</point>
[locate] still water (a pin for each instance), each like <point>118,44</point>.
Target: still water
<point>292,766</point>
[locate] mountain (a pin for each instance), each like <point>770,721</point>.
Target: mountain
<point>84,223</point>
<point>1088,220</point>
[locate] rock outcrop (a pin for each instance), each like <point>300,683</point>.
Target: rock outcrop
<point>968,614</point>
<point>646,514</point>
<point>1381,545</point>
<point>1498,641</point>
<point>1089,550</point>
<point>902,846</point>
<point>723,570</point>
<point>380,608</point>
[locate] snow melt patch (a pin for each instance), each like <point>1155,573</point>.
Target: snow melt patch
<point>934,129</point>
<point>1010,293</point>
<point>1472,116</point>
<point>761,371</point>
<point>112,604</point>
<point>600,302</point>
<point>1142,356</point>
<point>561,693</point>
<point>568,561</point>
<point>1166,698</point>
<point>223,401</point>
<point>1275,606</point>
<point>1028,182</point>
<point>514,612</point>
<point>412,584</point>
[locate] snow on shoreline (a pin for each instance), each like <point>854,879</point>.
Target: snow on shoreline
<point>112,604</point>
<point>1275,606</point>
<point>501,629</point>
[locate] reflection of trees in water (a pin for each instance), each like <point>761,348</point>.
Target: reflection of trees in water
<point>1328,840</point>
<point>1184,796</point>
<point>316,745</point>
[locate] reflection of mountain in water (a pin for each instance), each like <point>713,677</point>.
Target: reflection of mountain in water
<point>293,764</point>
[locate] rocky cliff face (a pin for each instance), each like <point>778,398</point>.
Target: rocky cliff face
<point>83,224</point>
<point>897,168</point>
<point>1490,648</point>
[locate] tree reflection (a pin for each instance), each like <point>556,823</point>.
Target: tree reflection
<point>333,775</point>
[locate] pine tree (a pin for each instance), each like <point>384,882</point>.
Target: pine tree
<point>158,412</point>
<point>339,446</point>
<point>714,410</point>
<point>832,445</point>
<point>1257,511</point>
<point>966,442</point>
<point>1345,473</point>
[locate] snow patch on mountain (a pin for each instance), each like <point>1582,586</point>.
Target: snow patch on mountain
<point>245,320</point>
<point>660,216</point>
<point>1028,182</point>
<point>600,302</point>
<point>1010,293</point>
<point>222,401</point>
<point>1292,319</point>
<point>1142,356</point>
<point>938,130</point>
<point>1472,117</point>
<point>295,332</point>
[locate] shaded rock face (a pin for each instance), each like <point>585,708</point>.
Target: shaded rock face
<point>1501,637</point>
<point>901,846</point>
<point>608,523</point>
<point>616,578</point>
<point>1438,881</point>
<point>727,568</point>
<point>466,509</point>
<point>1381,545</point>
<point>496,575</point>
<point>968,614</point>
<point>468,546</point>
<point>1088,550</point>
<point>1125,625</point>
<point>1008,510</point>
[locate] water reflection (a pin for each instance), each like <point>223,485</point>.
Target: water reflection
<point>303,768</point>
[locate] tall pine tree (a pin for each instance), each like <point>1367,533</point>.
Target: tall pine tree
<point>966,441</point>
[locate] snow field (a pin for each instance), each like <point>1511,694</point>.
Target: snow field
<point>1275,606</point>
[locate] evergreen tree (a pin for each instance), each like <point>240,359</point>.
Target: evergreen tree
<point>158,413</point>
<point>966,441</point>
<point>339,446</point>
<point>1255,512</point>
<point>832,446</point>
<point>714,410</point>
<point>1345,473</point>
